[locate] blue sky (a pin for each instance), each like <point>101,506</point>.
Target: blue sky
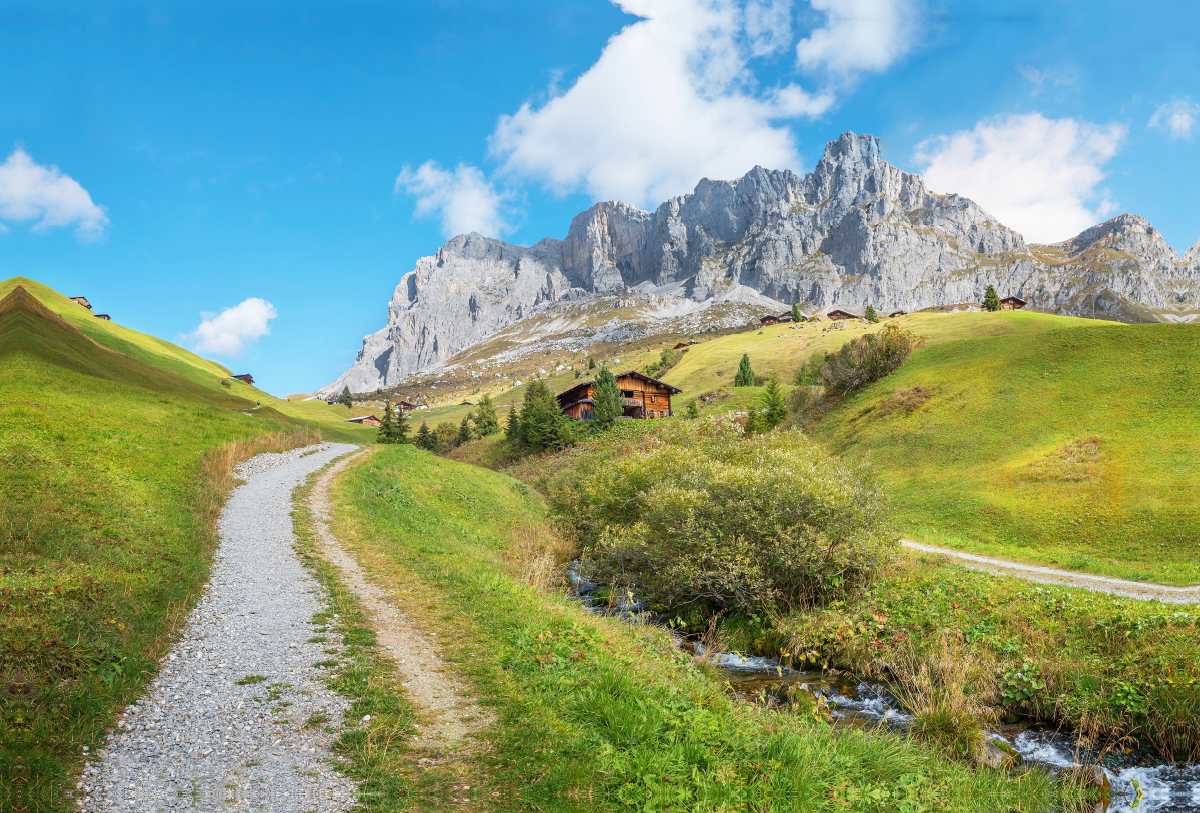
<point>279,166</point>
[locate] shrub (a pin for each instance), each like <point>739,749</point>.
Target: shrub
<point>745,375</point>
<point>809,373</point>
<point>703,515</point>
<point>868,358</point>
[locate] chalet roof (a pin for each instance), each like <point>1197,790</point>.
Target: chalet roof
<point>895,314</point>
<point>362,418</point>
<point>619,376</point>
<point>1013,299</point>
<point>851,314</point>
<point>82,300</point>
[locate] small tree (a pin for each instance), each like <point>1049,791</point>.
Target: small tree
<point>542,423</point>
<point>991,300</point>
<point>486,422</point>
<point>870,314</point>
<point>345,398</point>
<point>443,436</point>
<point>425,438</point>
<point>607,404</point>
<point>745,375</point>
<point>400,426</point>
<point>512,425</point>
<point>591,364</point>
<point>464,432</point>
<point>796,315</point>
<point>386,430</point>
<point>774,405</point>
<point>693,409</point>
<point>754,422</point>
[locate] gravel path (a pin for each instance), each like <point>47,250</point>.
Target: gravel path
<point>1143,591</point>
<point>200,741</point>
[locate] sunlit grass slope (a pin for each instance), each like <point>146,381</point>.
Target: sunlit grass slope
<point>108,490</point>
<point>1074,448</point>
<point>591,713</point>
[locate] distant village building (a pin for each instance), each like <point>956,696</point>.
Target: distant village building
<point>1012,303</point>
<point>104,316</point>
<point>894,314</point>
<point>838,314</point>
<point>408,406</point>
<point>365,420</point>
<point>770,320</point>
<point>82,300</point>
<point>684,345</point>
<point>245,378</point>
<point>641,397</point>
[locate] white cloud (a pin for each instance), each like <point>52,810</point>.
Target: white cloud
<point>1058,78</point>
<point>860,35</point>
<point>670,100</point>
<point>1037,175</point>
<point>1177,117</point>
<point>30,191</point>
<point>465,199</point>
<point>229,332</point>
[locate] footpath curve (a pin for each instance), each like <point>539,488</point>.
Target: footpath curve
<point>1143,591</point>
<point>227,720</point>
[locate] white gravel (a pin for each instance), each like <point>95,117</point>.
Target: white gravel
<point>198,741</point>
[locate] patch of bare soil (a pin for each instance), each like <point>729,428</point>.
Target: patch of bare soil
<point>451,715</point>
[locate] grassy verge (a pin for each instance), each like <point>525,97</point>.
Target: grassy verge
<point>592,713</point>
<point>1073,448</point>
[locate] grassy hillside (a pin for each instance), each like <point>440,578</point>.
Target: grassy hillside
<point>594,714</point>
<point>115,451</point>
<point>1074,448</point>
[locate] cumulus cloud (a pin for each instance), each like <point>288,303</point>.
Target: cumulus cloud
<point>464,199</point>
<point>229,332</point>
<point>1039,176</point>
<point>671,99</point>
<point>860,35</point>
<point>30,191</point>
<point>1177,118</point>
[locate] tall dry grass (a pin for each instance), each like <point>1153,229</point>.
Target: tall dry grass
<point>947,691</point>
<point>539,554</point>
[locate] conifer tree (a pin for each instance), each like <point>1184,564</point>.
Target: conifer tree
<point>512,425</point>
<point>991,300</point>
<point>486,422</point>
<point>464,432</point>
<point>693,409</point>
<point>542,425</point>
<point>607,404</point>
<point>425,438</point>
<point>386,430</point>
<point>745,376</point>
<point>591,364</point>
<point>796,315</point>
<point>870,314</point>
<point>400,426</point>
<point>754,422</point>
<point>345,398</point>
<point>774,406</point>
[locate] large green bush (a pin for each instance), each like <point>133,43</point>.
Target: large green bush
<point>705,516</point>
<point>868,358</point>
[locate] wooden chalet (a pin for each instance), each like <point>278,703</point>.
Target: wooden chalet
<point>365,420</point>
<point>408,406</point>
<point>683,345</point>
<point>104,316</point>
<point>838,314</point>
<point>245,378</point>
<point>641,397</point>
<point>894,314</point>
<point>786,317</point>
<point>770,320</point>
<point>82,300</point>
<point>1012,303</point>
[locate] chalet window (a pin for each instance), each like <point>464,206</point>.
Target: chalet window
<point>654,399</point>
<point>626,393</point>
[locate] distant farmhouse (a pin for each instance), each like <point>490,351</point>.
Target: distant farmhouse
<point>104,316</point>
<point>641,397</point>
<point>408,406</point>
<point>769,320</point>
<point>1011,303</point>
<point>82,300</point>
<point>244,377</point>
<point>894,314</point>
<point>837,314</point>
<point>365,420</point>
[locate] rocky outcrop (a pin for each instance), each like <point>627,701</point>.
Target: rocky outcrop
<point>853,232</point>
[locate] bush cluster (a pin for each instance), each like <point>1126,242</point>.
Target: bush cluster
<point>708,517</point>
<point>867,358</point>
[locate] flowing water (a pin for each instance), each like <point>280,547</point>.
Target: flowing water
<point>1140,782</point>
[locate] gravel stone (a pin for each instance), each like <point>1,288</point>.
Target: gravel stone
<point>199,741</point>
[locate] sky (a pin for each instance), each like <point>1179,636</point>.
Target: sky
<point>252,180</point>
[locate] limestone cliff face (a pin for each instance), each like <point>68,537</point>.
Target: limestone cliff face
<point>853,232</point>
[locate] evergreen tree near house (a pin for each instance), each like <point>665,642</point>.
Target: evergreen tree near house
<point>991,300</point>
<point>345,398</point>
<point>774,407</point>
<point>464,432</point>
<point>693,409</point>
<point>486,422</point>
<point>796,315</point>
<point>541,424</point>
<point>425,438</point>
<point>607,405</point>
<point>386,430</point>
<point>870,314</point>
<point>745,375</point>
<point>400,426</point>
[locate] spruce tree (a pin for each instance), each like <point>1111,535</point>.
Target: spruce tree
<point>400,426</point>
<point>486,422</point>
<point>745,376</point>
<point>345,398</point>
<point>796,315</point>
<point>754,422</point>
<point>774,406</point>
<point>693,409</point>
<point>542,425</point>
<point>464,432</point>
<point>591,364</point>
<point>425,438</point>
<point>991,300</point>
<point>385,425</point>
<point>606,406</point>
<point>870,314</point>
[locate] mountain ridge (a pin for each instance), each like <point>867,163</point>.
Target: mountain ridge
<point>854,231</point>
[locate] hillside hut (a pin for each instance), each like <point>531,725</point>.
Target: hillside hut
<point>683,345</point>
<point>837,314</point>
<point>365,420</point>
<point>1012,303</point>
<point>104,316</point>
<point>245,378</point>
<point>408,406</point>
<point>787,317</point>
<point>769,320</point>
<point>82,300</point>
<point>894,314</point>
<point>642,397</point>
